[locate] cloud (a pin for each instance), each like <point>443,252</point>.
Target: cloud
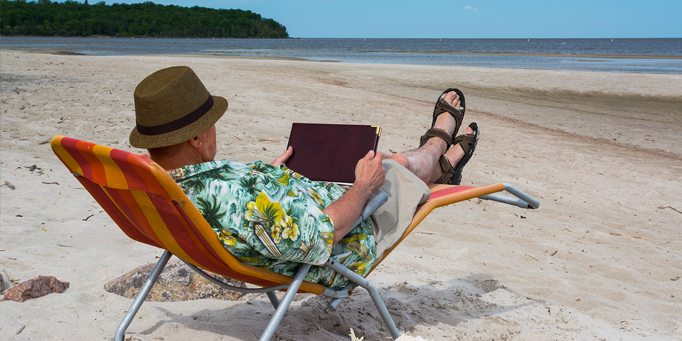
<point>469,8</point>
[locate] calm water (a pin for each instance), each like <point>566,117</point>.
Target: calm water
<point>574,54</point>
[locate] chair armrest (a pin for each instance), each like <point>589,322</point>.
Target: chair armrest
<point>375,201</point>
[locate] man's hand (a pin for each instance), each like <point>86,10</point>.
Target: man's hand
<point>369,173</point>
<point>282,159</point>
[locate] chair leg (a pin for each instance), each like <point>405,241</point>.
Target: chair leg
<point>139,299</point>
<point>373,293</point>
<point>273,299</point>
<point>284,304</point>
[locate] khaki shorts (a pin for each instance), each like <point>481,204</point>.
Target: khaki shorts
<point>405,192</point>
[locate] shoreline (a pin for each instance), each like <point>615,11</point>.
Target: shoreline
<point>506,54</point>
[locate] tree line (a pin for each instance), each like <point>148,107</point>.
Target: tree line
<point>71,18</point>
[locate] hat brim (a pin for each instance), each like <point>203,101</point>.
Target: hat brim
<point>183,134</point>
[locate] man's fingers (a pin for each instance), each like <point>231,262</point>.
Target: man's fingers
<point>282,159</point>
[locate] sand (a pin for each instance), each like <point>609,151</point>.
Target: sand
<point>600,259</point>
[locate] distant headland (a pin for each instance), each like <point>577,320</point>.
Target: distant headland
<point>74,19</point>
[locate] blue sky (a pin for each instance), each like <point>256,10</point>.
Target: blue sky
<point>462,18</point>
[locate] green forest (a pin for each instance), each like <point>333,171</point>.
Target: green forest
<point>71,18</point>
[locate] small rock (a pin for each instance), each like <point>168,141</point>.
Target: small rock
<point>34,288</point>
<point>177,282</point>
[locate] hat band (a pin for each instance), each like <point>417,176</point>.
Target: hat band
<point>179,123</point>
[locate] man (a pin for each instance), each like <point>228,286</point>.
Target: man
<point>266,214</point>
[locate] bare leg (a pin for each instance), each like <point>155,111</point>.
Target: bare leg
<point>423,162</point>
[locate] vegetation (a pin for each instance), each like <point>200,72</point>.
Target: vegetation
<point>47,18</point>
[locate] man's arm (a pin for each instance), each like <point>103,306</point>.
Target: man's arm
<point>369,176</point>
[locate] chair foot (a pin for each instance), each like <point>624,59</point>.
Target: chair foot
<point>139,299</point>
<point>284,304</point>
<point>373,293</point>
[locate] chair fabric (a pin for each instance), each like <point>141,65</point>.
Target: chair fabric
<point>145,202</point>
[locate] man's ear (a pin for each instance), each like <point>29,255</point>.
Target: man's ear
<point>195,142</point>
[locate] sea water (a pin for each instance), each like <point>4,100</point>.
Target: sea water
<point>609,55</point>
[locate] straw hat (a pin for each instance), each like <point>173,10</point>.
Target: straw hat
<point>173,106</point>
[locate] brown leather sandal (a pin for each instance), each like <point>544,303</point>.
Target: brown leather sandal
<point>434,132</point>
<point>441,107</point>
<point>468,143</point>
<point>453,175</point>
<point>448,171</point>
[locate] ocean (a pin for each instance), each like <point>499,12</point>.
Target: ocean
<point>604,55</point>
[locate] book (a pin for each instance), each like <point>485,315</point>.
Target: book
<point>330,152</point>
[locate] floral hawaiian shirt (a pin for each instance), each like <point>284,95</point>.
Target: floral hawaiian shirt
<point>272,217</point>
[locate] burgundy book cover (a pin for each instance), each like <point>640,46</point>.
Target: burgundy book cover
<point>329,152</point>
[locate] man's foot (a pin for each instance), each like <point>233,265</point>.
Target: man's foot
<point>445,123</point>
<point>453,161</point>
<point>456,153</point>
<point>463,151</point>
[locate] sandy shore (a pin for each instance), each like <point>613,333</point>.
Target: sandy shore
<point>600,259</point>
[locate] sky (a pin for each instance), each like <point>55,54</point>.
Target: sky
<point>461,18</point>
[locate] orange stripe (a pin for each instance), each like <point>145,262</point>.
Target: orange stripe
<point>141,165</point>
<point>126,204</point>
<point>114,212</point>
<point>132,178</point>
<point>72,146</point>
<point>182,233</point>
<point>94,167</point>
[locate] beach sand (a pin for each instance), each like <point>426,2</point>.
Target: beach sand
<point>600,259</point>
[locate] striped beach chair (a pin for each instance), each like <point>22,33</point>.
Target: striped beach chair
<point>149,207</point>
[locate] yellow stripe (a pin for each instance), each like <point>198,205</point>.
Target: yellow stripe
<point>114,175</point>
<point>166,181</point>
<point>57,147</point>
<point>160,228</point>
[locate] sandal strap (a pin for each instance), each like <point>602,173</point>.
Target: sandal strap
<point>443,106</point>
<point>436,133</point>
<point>466,141</point>
<point>448,170</point>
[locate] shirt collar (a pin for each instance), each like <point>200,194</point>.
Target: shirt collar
<point>190,170</point>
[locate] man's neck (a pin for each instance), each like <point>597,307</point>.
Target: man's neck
<point>177,161</point>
